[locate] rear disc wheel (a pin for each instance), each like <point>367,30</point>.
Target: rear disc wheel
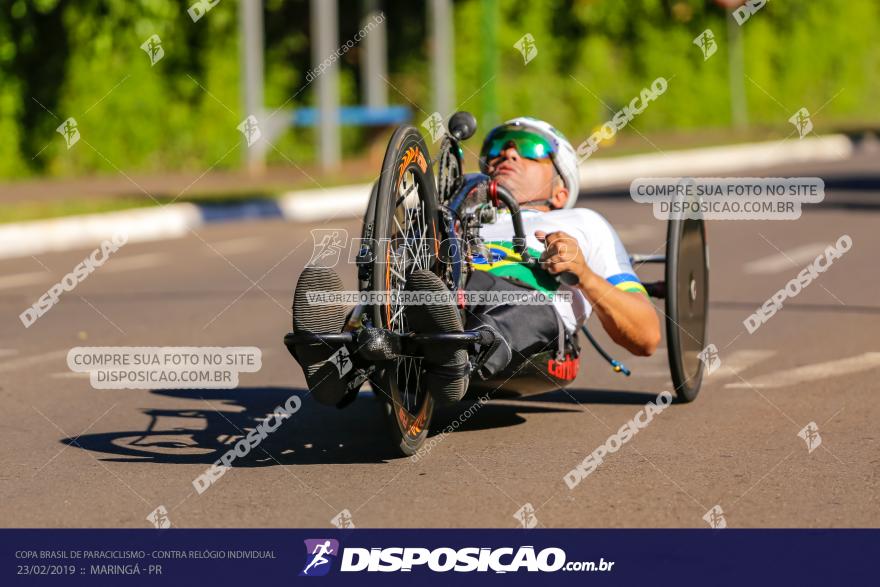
<point>687,297</point>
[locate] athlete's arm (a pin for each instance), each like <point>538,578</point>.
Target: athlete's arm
<point>628,317</point>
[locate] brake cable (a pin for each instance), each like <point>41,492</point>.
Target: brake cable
<point>616,365</point>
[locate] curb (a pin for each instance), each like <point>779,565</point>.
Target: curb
<point>63,234</point>
<point>24,239</point>
<point>311,205</point>
<point>176,220</point>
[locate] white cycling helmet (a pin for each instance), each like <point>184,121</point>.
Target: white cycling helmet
<point>562,154</point>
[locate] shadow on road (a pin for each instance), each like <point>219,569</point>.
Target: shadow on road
<point>595,396</point>
<point>316,434</point>
<point>507,409</point>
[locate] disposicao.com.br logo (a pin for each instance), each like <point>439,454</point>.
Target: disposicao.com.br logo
<point>442,560</point>
<point>320,553</point>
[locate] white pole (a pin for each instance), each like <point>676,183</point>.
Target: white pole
<point>251,55</point>
<point>325,44</point>
<point>374,66</point>
<point>442,57</point>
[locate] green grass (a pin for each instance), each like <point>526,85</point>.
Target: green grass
<point>22,211</point>
<point>25,211</point>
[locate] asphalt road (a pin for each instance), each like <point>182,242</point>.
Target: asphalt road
<point>75,456</point>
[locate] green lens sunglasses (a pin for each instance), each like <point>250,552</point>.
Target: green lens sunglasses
<point>528,144</point>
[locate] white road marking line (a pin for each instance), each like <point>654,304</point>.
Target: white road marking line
<point>739,361</point>
<point>30,361</point>
<point>239,245</point>
<point>134,262</point>
<point>784,261</point>
<point>20,279</point>
<point>814,372</point>
<point>731,364</point>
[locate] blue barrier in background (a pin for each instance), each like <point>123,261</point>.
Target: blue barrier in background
<point>355,116</point>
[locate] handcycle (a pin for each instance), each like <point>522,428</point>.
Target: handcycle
<point>426,213</point>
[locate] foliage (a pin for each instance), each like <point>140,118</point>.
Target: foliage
<point>82,58</point>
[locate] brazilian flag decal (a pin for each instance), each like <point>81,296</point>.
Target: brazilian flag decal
<point>504,262</point>
<point>627,282</point>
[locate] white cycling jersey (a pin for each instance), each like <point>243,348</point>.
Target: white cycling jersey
<point>603,251</point>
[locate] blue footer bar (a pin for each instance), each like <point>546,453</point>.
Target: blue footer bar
<point>357,556</point>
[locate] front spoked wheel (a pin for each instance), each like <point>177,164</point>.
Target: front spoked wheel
<point>406,239</point>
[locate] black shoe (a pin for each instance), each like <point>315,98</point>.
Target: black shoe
<point>497,359</point>
<point>327,367</point>
<point>446,366</point>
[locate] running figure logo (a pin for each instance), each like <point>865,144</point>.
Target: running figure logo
<point>69,131</point>
<point>153,48</point>
<point>341,359</point>
<point>810,435</point>
<point>527,47</point>
<point>250,129</point>
<point>159,518</point>
<point>319,555</point>
<point>343,520</point>
<point>327,246</point>
<point>706,42</point>
<point>526,516</point>
<point>710,358</point>
<point>715,518</point>
<point>802,122</point>
<point>434,125</point>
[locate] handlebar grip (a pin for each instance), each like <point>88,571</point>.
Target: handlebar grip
<point>566,277</point>
<point>519,238</point>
